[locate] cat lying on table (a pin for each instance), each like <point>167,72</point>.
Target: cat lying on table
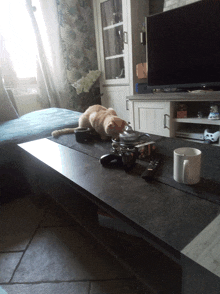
<point>104,121</point>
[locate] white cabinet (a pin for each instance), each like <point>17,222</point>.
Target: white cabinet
<point>118,24</point>
<point>157,114</point>
<point>152,117</point>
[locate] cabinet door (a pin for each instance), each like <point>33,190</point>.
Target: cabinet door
<point>152,117</point>
<point>112,26</point>
<point>115,97</point>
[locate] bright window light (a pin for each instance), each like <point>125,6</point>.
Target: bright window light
<point>17,31</point>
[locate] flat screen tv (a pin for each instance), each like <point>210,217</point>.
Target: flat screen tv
<point>183,47</point>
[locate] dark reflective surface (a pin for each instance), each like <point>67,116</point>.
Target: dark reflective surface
<point>169,214</point>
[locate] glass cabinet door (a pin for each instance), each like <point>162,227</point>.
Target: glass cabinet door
<point>114,37</point>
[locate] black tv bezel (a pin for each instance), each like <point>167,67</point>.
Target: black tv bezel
<point>191,86</point>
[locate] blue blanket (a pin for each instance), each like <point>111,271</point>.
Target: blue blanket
<point>37,124</point>
<point>2,291</point>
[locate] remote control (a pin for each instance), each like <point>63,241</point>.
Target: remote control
<point>151,169</point>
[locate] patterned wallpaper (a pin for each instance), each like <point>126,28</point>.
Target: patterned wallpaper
<point>78,37</point>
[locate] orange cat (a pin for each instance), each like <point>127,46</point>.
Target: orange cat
<point>104,121</point>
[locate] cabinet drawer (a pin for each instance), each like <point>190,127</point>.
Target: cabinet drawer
<point>152,117</point>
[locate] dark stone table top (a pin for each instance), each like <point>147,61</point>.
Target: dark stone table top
<point>157,209</point>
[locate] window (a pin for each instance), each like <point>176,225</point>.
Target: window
<point>18,37</point>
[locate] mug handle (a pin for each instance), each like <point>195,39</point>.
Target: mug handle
<point>185,171</point>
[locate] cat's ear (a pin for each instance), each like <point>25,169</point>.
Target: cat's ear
<point>120,123</point>
<point>124,123</point>
<point>111,125</point>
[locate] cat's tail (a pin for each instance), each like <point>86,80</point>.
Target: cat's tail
<point>58,133</point>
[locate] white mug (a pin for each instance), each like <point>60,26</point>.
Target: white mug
<point>187,165</point>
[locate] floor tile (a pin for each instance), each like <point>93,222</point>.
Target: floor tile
<point>117,287</point>
<point>49,288</point>
<point>62,254</point>
<point>8,263</point>
<point>18,221</point>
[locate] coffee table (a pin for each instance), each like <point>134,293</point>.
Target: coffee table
<point>162,220</point>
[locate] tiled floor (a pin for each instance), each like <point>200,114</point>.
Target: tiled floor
<point>42,250</point>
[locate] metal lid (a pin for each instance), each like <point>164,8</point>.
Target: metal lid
<point>130,136</point>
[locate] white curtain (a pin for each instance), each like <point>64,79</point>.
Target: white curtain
<point>7,109</point>
<point>51,72</point>
<point>30,28</point>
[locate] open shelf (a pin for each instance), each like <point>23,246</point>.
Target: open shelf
<point>196,120</point>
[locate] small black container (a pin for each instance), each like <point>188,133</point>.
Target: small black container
<point>82,134</point>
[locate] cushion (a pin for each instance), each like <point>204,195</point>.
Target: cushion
<point>37,124</point>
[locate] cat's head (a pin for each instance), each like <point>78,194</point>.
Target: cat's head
<point>115,126</point>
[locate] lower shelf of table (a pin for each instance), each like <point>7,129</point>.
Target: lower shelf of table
<point>157,272</point>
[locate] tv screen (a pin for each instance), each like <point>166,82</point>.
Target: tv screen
<point>184,46</point>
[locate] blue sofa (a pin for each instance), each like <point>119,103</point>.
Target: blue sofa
<point>14,130</point>
<point>31,126</point>
<point>37,124</point>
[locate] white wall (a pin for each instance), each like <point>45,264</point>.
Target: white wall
<point>26,95</point>
<point>27,103</point>
<point>171,4</point>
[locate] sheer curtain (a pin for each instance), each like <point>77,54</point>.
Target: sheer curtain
<point>7,109</point>
<point>18,48</point>
<point>35,23</point>
<point>51,70</point>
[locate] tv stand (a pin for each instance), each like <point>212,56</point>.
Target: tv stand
<point>157,113</point>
